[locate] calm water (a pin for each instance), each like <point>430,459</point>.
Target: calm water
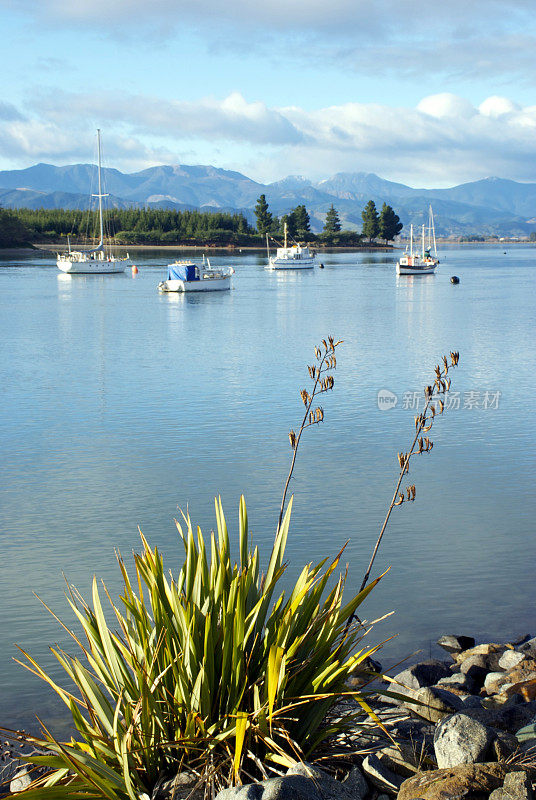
<point>121,405</point>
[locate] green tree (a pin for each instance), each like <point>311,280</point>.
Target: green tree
<point>291,225</point>
<point>302,223</point>
<point>264,217</point>
<point>371,221</point>
<point>332,224</point>
<point>532,236</point>
<point>390,225</point>
<point>13,232</point>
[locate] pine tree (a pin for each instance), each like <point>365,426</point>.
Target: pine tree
<point>371,222</point>
<point>390,225</point>
<point>332,223</point>
<point>302,223</point>
<point>264,217</point>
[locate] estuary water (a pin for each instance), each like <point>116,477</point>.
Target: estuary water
<point>121,406</point>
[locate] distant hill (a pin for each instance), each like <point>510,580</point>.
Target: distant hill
<point>489,206</point>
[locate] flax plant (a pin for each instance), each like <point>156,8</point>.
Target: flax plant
<point>215,670</point>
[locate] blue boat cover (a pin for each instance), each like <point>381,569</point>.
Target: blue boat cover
<point>181,272</point>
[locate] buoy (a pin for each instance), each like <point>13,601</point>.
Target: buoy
<point>454,279</point>
<point>134,269</point>
<point>321,266</point>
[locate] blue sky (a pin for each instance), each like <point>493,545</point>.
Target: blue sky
<point>428,94</point>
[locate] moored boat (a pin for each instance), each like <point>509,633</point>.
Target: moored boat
<point>99,260</point>
<point>296,256</point>
<point>185,276</point>
<point>425,262</point>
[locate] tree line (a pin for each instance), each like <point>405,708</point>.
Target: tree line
<point>384,225</point>
<point>163,226</point>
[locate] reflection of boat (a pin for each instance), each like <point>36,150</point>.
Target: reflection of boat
<point>185,276</point>
<point>99,260</point>
<point>420,263</point>
<point>295,257</point>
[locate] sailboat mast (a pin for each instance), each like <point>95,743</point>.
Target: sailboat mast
<point>411,239</point>
<point>432,229</point>
<point>100,190</point>
<point>423,241</point>
<point>285,229</point>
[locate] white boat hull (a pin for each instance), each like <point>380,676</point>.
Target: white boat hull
<point>202,285</point>
<point>90,267</point>
<point>409,269</point>
<point>291,263</point>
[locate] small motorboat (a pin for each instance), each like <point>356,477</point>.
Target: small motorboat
<point>185,276</point>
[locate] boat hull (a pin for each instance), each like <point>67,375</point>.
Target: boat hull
<point>202,285</point>
<point>291,263</point>
<point>92,267</point>
<point>402,269</point>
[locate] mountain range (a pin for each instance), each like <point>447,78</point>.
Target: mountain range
<point>492,206</point>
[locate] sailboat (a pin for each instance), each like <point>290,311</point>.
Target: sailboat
<point>295,257</point>
<point>424,263</point>
<point>100,260</point>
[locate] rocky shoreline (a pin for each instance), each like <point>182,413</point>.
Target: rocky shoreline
<point>463,727</point>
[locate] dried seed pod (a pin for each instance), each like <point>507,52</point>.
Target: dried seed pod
<point>441,406</point>
<point>292,437</point>
<point>304,394</point>
<point>413,491</point>
<point>399,501</point>
<point>428,391</point>
<point>438,371</point>
<point>447,384</point>
<point>432,411</point>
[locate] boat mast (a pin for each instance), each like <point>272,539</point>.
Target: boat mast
<point>432,231</point>
<point>285,229</point>
<point>100,195</point>
<point>411,240</point>
<point>423,241</point>
<point>267,247</point>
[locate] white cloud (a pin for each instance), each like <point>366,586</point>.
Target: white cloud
<point>442,141</point>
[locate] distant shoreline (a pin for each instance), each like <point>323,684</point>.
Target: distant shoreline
<point>226,249</point>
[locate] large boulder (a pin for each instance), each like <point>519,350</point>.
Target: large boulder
<point>425,673</point>
<point>434,703</point>
<point>468,781</point>
<point>455,644</point>
<point>381,776</point>
<point>459,739</point>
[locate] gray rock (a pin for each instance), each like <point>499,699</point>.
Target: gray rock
<point>20,781</point>
<point>289,787</point>
<point>471,701</point>
<point>504,745</point>
<point>461,740</point>
<point>506,718</point>
<point>529,648</point>
<point>476,668</point>
<point>326,786</point>
<point>380,776</point>
<point>425,673</point>
<point>435,703</point>
<point>182,786</point>
<point>402,760</point>
<point>356,784</point>
<point>494,681</point>
<point>511,659</point>
<point>458,679</point>
<point>517,786</point>
<point>455,644</point>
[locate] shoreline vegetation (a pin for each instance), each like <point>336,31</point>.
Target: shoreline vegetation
<point>130,227</point>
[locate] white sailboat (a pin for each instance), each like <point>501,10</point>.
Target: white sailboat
<point>296,256</point>
<point>99,260</point>
<point>424,263</point>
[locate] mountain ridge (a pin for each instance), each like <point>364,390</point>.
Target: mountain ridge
<point>488,206</point>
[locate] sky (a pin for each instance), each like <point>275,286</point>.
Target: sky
<point>427,94</point>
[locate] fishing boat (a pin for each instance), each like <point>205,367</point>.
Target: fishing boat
<point>425,262</point>
<point>185,276</point>
<point>99,260</point>
<point>296,256</point>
